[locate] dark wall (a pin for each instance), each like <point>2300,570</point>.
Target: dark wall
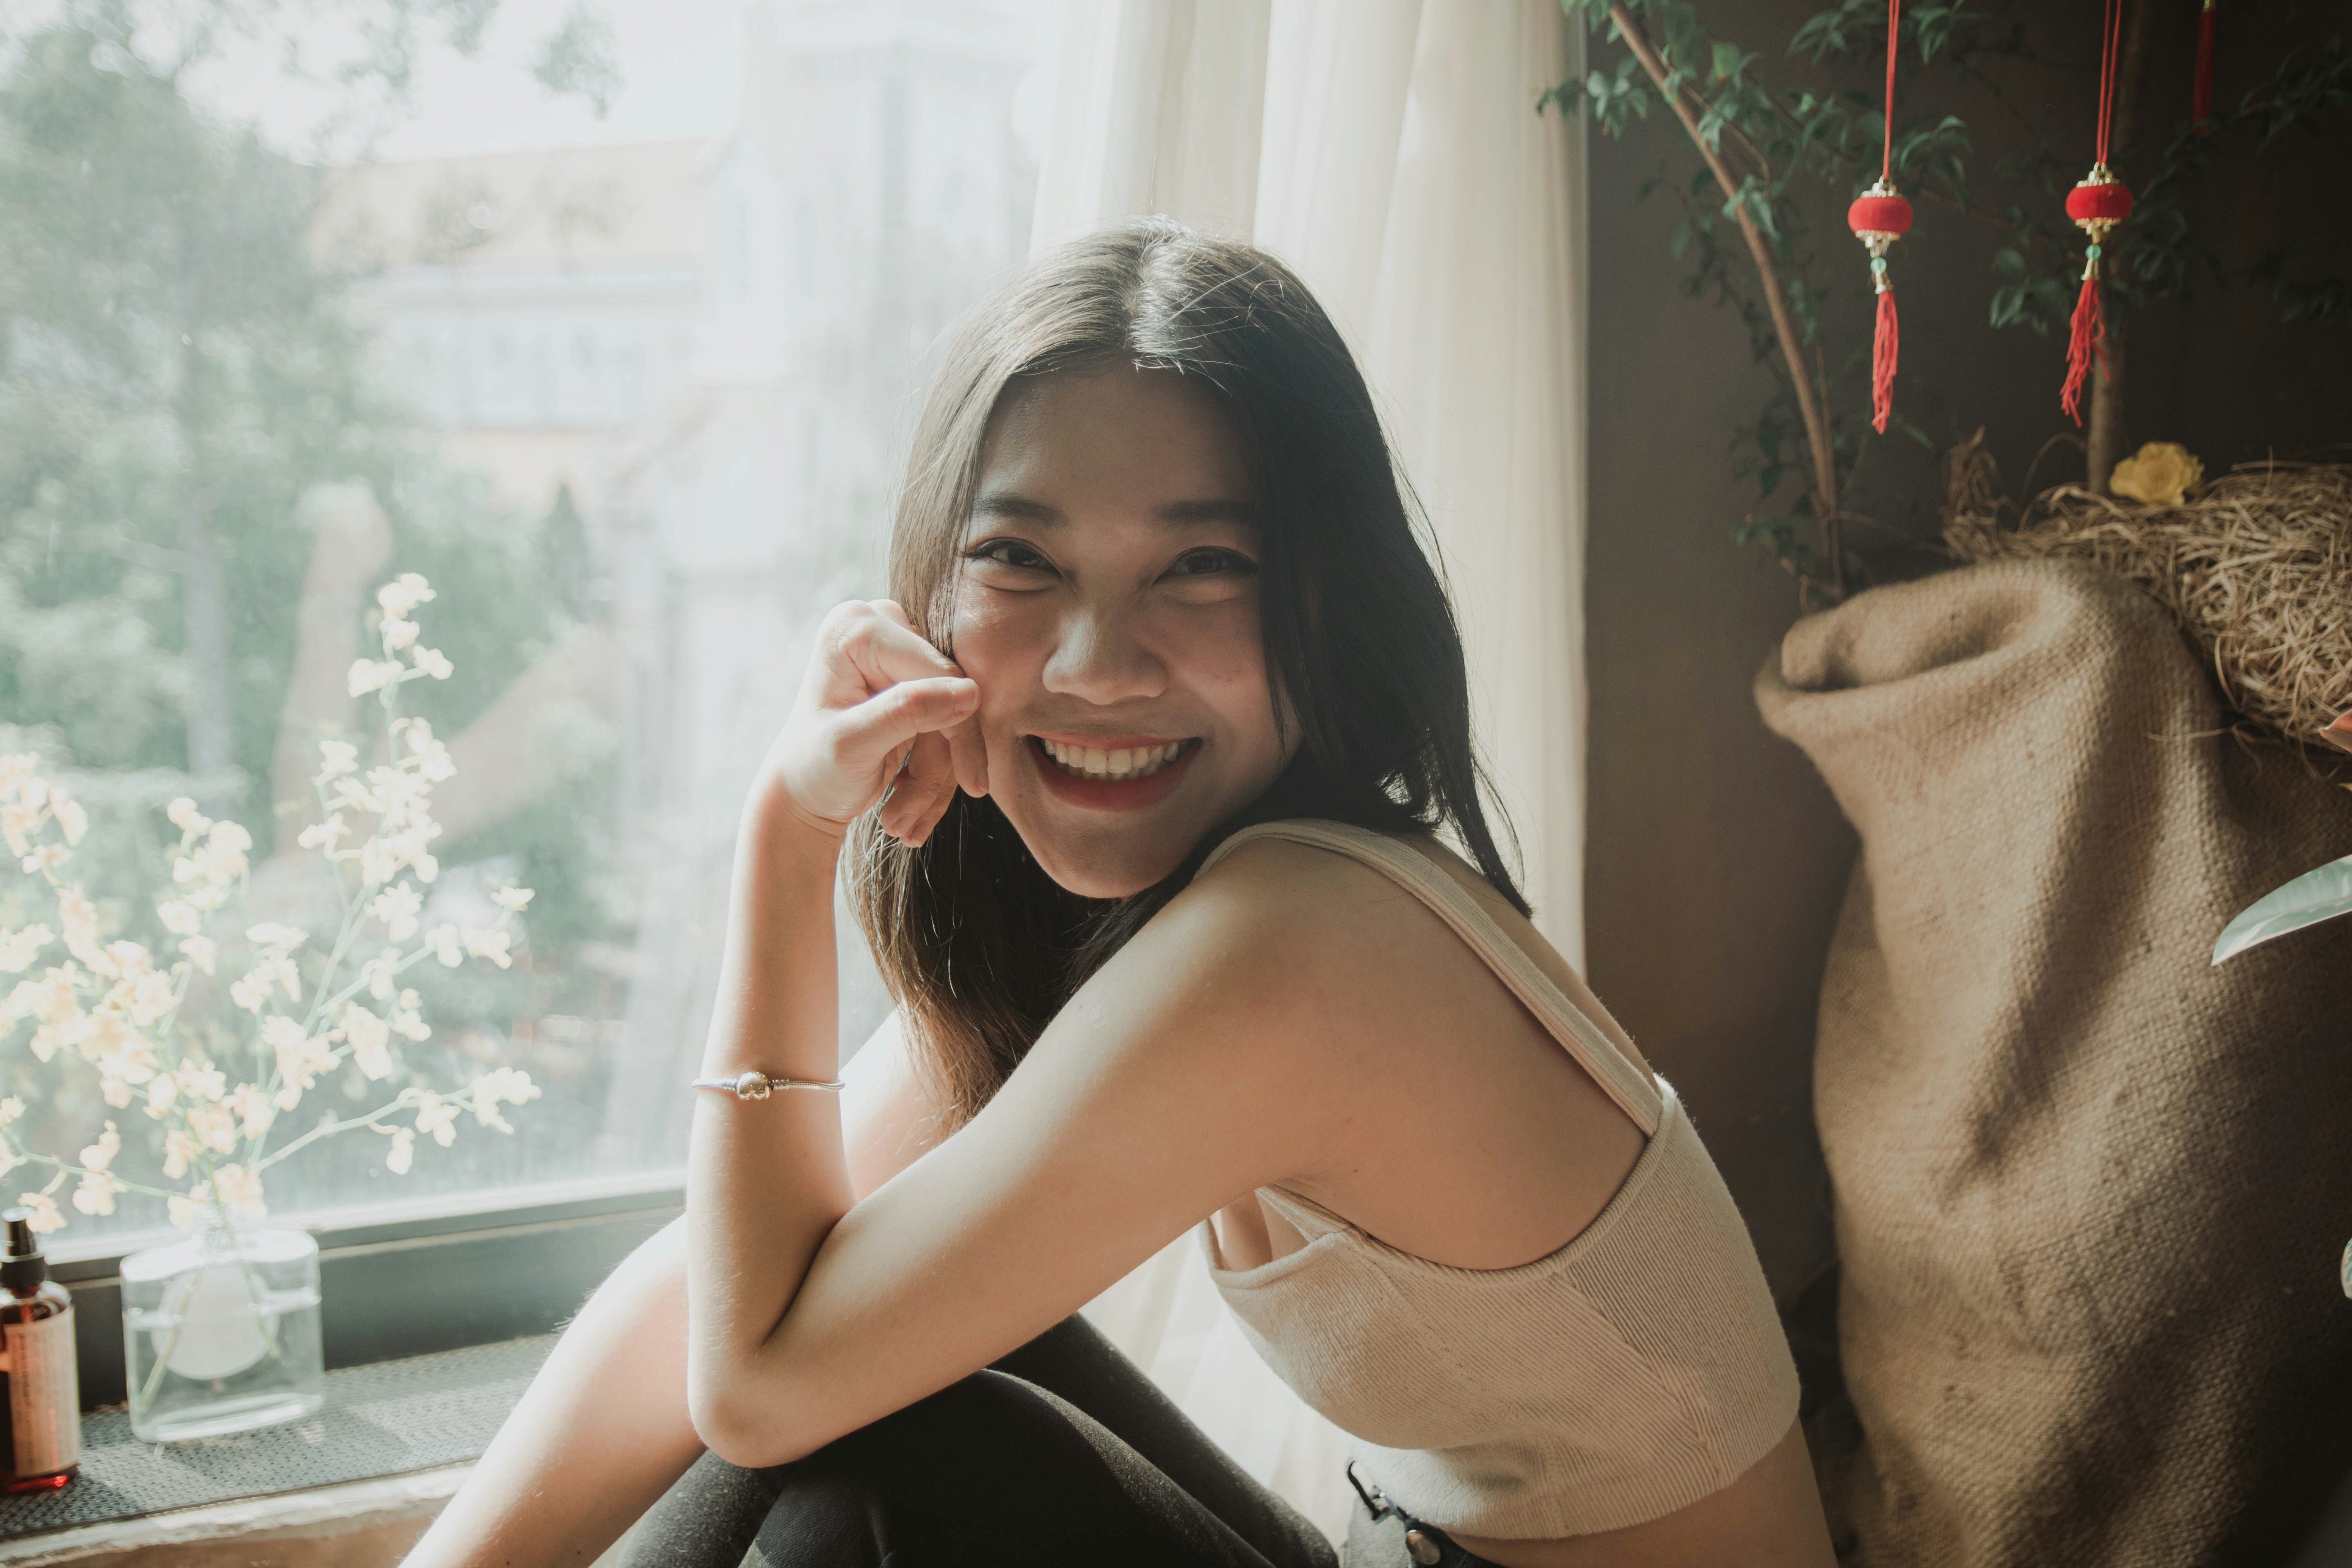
<point>1717,860</point>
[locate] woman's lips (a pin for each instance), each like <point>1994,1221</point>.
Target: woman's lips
<point>1151,774</point>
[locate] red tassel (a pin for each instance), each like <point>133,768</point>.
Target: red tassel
<point>2086,334</point>
<point>2200,94</point>
<point>1883,346</point>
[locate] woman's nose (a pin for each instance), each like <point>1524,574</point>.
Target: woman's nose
<point>1099,660</point>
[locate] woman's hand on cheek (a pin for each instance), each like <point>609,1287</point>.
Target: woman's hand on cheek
<point>881,715</point>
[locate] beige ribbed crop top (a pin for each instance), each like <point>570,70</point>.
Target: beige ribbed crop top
<point>1634,1371</point>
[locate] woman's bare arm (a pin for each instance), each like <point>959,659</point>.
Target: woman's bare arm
<point>603,1431</point>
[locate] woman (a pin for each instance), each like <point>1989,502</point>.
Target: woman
<point>1139,781</point>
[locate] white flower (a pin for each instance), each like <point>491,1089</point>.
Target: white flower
<point>186,1213</point>
<point>511,1085</point>
<point>161,1093</point>
<point>403,1152</point>
<point>397,634</point>
<point>431,662</point>
<point>337,758</point>
<point>201,952</point>
<point>200,1081</point>
<point>254,1111</point>
<point>71,820</point>
<point>370,1039</point>
<point>133,1061</point>
<point>186,817</point>
<point>403,593</point>
<point>515,899</point>
<point>374,675</point>
<point>448,946</point>
<point>436,1119</point>
<point>397,907</point>
<point>44,857</point>
<point>301,1057</point>
<point>178,1149</point>
<point>377,973</point>
<point>179,917</point>
<point>19,948</point>
<point>214,1126</point>
<point>251,992</point>
<point>275,937</point>
<point>11,1107</point>
<point>45,1218</point>
<point>19,825</point>
<point>408,1020</point>
<point>79,916</point>
<point>98,1156</point>
<point>326,835</point>
<point>96,1194</point>
<point>490,944</point>
<point>237,1187</point>
<point>147,993</point>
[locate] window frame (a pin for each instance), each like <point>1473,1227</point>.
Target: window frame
<point>413,1276</point>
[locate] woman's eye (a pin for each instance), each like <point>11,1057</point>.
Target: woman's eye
<point>1009,553</point>
<point>1206,563</point>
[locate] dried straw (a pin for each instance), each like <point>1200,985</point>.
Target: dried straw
<point>2257,568</point>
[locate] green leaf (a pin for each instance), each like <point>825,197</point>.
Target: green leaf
<point>1679,241</point>
<point>2314,897</point>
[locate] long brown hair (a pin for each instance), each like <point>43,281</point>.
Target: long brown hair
<point>978,947</point>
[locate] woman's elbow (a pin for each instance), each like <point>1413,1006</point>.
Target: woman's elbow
<point>748,1430</point>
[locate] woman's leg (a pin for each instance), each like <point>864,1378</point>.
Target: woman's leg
<point>1064,1452</point>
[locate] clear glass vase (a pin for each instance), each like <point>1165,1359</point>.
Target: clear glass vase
<point>221,1330</point>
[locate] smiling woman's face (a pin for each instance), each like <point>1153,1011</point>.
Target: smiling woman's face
<point>1108,611</point>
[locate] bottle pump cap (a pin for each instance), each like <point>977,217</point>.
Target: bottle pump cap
<point>24,1267</point>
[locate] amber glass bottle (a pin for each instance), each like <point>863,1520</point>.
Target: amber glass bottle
<point>41,1409</point>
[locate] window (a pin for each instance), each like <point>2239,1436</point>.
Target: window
<point>277,331</point>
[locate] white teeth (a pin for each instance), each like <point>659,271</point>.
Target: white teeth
<point>1118,766</point>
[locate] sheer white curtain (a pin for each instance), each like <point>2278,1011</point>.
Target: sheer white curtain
<point>1391,152</point>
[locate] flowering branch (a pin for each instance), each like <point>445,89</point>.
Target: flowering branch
<point>111,1007</point>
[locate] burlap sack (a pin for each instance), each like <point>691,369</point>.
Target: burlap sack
<point>2089,1191</point>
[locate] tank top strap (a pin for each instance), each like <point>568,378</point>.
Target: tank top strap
<point>1618,1076</point>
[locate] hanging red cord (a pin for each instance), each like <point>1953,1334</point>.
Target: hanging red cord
<point>1880,216</point>
<point>2097,204</point>
<point>2201,90</point>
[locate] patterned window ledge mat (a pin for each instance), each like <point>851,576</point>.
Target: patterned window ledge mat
<point>387,1419</point>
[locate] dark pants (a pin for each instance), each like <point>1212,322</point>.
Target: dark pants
<point>1062,1452</point>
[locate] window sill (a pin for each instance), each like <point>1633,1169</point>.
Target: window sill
<point>391,1427</point>
<point>438,1275</point>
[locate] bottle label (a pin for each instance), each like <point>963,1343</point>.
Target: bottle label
<point>44,1395</point>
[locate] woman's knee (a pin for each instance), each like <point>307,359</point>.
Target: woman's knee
<point>983,1432</point>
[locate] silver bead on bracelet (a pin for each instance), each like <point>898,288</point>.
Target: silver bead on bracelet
<point>757,1085</point>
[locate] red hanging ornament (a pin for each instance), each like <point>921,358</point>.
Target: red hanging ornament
<point>1880,216</point>
<point>2200,89</point>
<point>2098,202</point>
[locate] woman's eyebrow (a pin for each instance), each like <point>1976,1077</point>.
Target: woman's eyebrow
<point>1016,507</point>
<point>1012,507</point>
<point>1219,509</point>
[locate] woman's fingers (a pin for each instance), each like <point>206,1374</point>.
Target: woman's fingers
<point>919,794</point>
<point>968,758</point>
<point>882,716</point>
<point>877,646</point>
<point>880,728</point>
<point>893,645</point>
